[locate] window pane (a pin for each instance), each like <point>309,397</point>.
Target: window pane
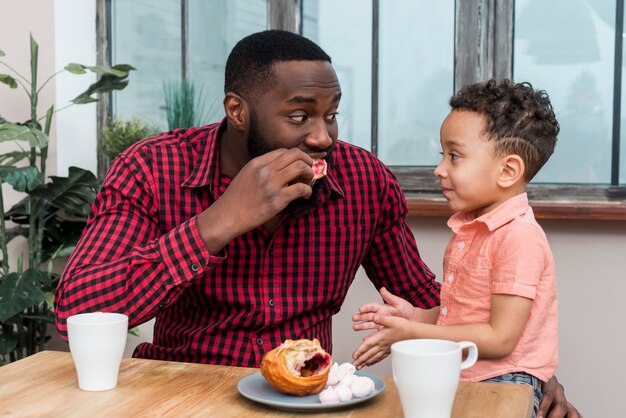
<point>344,30</point>
<point>622,160</point>
<point>146,35</point>
<point>566,47</point>
<point>416,80</point>
<point>214,29</point>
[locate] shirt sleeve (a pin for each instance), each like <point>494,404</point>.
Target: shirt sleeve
<point>123,262</point>
<point>393,260</point>
<point>520,260</point>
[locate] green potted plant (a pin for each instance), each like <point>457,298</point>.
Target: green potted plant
<point>185,105</point>
<point>121,134</point>
<point>51,215</point>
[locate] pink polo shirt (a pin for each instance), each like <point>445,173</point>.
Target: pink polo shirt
<point>504,251</point>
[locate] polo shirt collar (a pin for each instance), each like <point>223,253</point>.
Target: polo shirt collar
<point>512,208</point>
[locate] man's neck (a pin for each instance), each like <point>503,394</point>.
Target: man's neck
<point>233,151</point>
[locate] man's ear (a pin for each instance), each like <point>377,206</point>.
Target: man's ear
<point>511,171</point>
<point>237,111</point>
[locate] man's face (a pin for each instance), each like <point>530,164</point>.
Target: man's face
<point>299,111</point>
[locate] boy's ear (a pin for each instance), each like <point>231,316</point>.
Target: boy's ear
<point>237,111</point>
<point>511,171</point>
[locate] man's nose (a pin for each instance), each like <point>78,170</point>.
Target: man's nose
<point>319,137</point>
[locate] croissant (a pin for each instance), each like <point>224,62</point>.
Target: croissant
<point>297,367</point>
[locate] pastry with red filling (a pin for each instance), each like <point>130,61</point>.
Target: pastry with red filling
<point>297,367</point>
<point>320,167</point>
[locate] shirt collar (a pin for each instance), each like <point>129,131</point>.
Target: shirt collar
<point>507,211</point>
<point>206,171</point>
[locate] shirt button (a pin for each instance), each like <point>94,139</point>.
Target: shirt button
<point>444,311</point>
<point>450,277</point>
<point>195,267</point>
<point>259,341</point>
<point>460,245</point>
<point>271,303</point>
<point>161,306</point>
<point>271,251</point>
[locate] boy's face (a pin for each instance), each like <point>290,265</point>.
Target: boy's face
<point>469,169</point>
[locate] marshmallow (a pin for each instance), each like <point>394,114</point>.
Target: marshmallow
<point>329,395</point>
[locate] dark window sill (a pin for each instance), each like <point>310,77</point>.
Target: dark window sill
<point>549,201</point>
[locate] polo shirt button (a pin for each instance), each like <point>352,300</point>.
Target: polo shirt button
<point>444,311</point>
<point>259,341</point>
<point>271,303</point>
<point>460,245</point>
<point>195,267</point>
<point>450,277</point>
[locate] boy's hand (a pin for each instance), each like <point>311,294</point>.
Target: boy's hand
<point>393,306</point>
<point>377,345</point>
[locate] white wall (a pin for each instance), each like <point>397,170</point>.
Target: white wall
<point>75,42</point>
<point>589,255</point>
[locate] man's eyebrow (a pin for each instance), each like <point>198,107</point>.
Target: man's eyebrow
<point>310,99</point>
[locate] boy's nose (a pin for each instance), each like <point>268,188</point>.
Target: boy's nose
<point>439,171</point>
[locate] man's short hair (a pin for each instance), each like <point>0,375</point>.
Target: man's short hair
<point>249,65</point>
<point>519,119</point>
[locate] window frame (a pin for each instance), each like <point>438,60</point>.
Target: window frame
<point>480,25</point>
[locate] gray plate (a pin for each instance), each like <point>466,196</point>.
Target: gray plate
<point>256,388</point>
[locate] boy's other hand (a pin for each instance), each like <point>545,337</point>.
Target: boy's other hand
<point>393,306</point>
<point>377,345</point>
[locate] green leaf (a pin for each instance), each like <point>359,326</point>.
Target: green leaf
<point>75,68</point>
<point>2,54</point>
<point>73,194</point>
<point>134,331</point>
<point>108,82</point>
<point>7,344</point>
<point>34,59</point>
<point>13,157</point>
<point>98,69</point>
<point>19,292</point>
<point>8,80</point>
<point>21,178</point>
<point>12,132</point>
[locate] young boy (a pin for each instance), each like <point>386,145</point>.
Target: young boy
<point>499,285</point>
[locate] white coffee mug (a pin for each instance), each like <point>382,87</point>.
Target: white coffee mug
<point>97,342</point>
<point>426,374</point>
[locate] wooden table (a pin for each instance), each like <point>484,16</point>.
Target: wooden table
<point>45,385</point>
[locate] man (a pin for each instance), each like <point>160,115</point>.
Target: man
<point>220,233</point>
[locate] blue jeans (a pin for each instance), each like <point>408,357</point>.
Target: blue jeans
<point>522,378</point>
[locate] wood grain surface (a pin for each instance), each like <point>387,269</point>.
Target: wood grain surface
<point>45,385</point>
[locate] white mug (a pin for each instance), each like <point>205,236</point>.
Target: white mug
<point>97,342</point>
<point>426,374</point>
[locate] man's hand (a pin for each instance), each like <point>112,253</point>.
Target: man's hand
<point>553,403</point>
<point>393,306</point>
<point>258,193</point>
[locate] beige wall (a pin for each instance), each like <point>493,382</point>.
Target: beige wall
<point>17,21</point>
<point>589,255</point>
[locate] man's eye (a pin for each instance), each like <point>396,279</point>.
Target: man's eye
<point>298,118</point>
<point>332,117</point>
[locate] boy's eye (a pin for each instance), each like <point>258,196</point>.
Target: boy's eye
<point>453,156</point>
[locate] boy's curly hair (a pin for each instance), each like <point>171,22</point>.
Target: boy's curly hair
<point>519,119</point>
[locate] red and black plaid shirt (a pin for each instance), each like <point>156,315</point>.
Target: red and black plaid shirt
<point>141,253</point>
